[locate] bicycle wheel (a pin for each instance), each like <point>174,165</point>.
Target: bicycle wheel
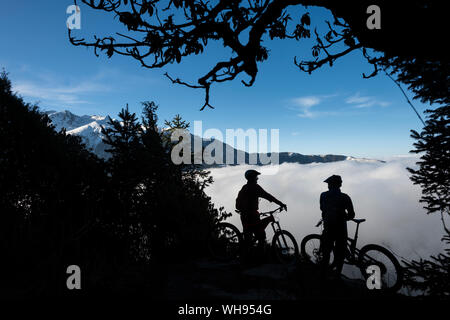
<point>225,242</point>
<point>285,247</point>
<point>310,249</point>
<point>391,272</point>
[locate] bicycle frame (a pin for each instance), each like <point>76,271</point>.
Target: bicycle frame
<point>352,253</point>
<point>276,227</point>
<point>275,224</point>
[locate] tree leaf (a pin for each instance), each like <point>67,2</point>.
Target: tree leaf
<point>306,19</point>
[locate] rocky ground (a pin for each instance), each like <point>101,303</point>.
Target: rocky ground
<point>206,279</point>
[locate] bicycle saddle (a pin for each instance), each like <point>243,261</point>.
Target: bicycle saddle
<point>359,220</point>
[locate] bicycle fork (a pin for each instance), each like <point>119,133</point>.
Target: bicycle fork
<point>275,230</point>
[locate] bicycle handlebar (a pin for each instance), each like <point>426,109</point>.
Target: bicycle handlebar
<point>354,220</point>
<point>271,212</point>
<point>265,213</point>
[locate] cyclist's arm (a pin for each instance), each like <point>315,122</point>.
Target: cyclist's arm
<point>322,207</point>
<point>350,210</point>
<point>264,194</point>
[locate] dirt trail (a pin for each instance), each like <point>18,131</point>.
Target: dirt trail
<point>210,280</point>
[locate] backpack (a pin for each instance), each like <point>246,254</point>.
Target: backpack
<point>242,201</point>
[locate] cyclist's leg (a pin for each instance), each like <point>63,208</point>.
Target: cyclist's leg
<point>246,229</point>
<point>257,227</point>
<point>340,247</point>
<point>326,245</point>
<point>260,233</point>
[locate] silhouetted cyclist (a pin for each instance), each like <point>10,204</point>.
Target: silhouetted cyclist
<point>336,209</point>
<point>247,203</point>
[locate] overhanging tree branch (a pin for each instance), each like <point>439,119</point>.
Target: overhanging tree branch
<point>165,32</point>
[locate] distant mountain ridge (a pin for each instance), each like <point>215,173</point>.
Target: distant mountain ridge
<point>89,129</point>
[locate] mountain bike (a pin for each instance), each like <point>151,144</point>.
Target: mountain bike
<point>226,242</point>
<point>391,274</point>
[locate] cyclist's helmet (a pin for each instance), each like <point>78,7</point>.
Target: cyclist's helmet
<point>334,179</point>
<point>251,174</point>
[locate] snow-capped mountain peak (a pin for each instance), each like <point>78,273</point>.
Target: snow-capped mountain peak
<point>70,121</point>
<point>350,158</point>
<point>89,128</point>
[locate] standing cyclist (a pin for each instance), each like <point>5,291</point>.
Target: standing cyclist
<point>336,209</point>
<point>247,204</point>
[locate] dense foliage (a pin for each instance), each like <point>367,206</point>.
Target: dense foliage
<point>61,205</point>
<point>432,276</point>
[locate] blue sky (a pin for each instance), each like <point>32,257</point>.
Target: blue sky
<point>333,110</point>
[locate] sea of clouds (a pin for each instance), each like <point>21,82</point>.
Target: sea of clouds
<point>382,193</point>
